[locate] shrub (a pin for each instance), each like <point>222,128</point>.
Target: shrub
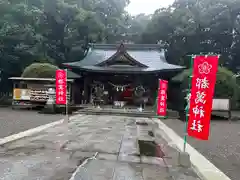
<point>226,85</point>
<point>40,70</point>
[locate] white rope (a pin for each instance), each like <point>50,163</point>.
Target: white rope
<point>119,87</point>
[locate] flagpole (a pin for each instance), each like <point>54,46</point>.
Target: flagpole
<point>188,104</point>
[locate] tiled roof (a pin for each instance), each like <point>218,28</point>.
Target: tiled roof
<point>122,69</point>
<point>152,56</point>
<point>36,79</point>
<point>72,75</point>
<point>94,56</point>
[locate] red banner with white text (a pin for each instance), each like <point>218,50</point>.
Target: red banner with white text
<point>202,91</point>
<point>162,98</point>
<point>61,86</point>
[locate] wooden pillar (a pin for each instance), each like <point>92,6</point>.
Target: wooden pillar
<point>86,89</point>
<point>73,92</point>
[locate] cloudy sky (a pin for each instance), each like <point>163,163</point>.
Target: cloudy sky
<point>146,6</point>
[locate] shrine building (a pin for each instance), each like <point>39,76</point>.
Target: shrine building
<point>127,73</point>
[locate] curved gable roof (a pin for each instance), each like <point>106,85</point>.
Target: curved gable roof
<point>94,57</point>
<point>152,56</point>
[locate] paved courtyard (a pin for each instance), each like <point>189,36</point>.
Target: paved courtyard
<point>222,148</point>
<point>54,154</point>
<point>15,121</point>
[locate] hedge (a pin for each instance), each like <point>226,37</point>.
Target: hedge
<point>226,85</point>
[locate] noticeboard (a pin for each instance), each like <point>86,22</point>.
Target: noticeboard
<point>21,94</point>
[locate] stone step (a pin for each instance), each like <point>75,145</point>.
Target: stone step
<point>88,112</point>
<point>121,112</point>
<point>143,133</point>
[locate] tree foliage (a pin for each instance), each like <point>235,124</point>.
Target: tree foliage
<point>59,31</point>
<point>226,86</point>
<point>40,70</point>
<point>198,26</point>
<point>41,29</point>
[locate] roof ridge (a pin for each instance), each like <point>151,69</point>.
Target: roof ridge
<point>128,46</point>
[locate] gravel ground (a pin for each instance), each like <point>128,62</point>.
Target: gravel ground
<point>222,148</point>
<point>15,121</point>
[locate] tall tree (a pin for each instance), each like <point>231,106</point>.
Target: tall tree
<point>196,26</point>
<point>43,30</point>
<point>18,39</point>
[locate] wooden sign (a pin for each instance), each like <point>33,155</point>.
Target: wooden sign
<point>61,87</point>
<point>162,98</point>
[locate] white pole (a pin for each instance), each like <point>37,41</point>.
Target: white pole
<point>67,117</point>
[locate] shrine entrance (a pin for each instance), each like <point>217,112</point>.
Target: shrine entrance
<point>119,91</point>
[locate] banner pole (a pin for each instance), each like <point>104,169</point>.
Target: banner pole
<point>67,118</point>
<point>188,104</point>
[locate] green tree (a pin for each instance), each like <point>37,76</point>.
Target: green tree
<point>18,39</point>
<point>197,26</point>
<point>226,85</point>
<point>40,70</point>
<point>52,30</point>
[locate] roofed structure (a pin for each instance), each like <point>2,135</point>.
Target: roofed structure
<point>36,79</point>
<point>123,58</point>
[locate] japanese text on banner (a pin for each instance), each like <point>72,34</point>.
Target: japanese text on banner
<point>61,87</point>
<point>162,98</point>
<point>203,83</point>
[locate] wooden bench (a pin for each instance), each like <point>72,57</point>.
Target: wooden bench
<point>220,105</point>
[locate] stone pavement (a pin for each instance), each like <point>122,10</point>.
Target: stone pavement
<point>54,154</point>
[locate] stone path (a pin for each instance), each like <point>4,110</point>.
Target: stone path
<point>55,153</point>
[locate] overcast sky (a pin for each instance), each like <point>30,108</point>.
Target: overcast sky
<point>146,6</point>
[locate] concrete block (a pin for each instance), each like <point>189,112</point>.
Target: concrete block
<point>184,159</point>
<point>143,129</point>
<point>128,158</point>
<point>155,127</point>
<point>152,160</point>
<point>159,139</point>
<point>171,161</point>
<point>140,121</point>
<point>143,133</point>
<point>155,173</point>
<point>80,155</point>
<point>105,156</point>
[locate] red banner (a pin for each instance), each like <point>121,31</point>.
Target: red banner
<point>61,87</point>
<point>202,91</point>
<point>162,98</point>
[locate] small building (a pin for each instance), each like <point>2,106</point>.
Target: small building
<point>126,73</point>
<point>33,92</point>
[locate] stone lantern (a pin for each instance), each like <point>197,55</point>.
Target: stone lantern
<point>50,105</point>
